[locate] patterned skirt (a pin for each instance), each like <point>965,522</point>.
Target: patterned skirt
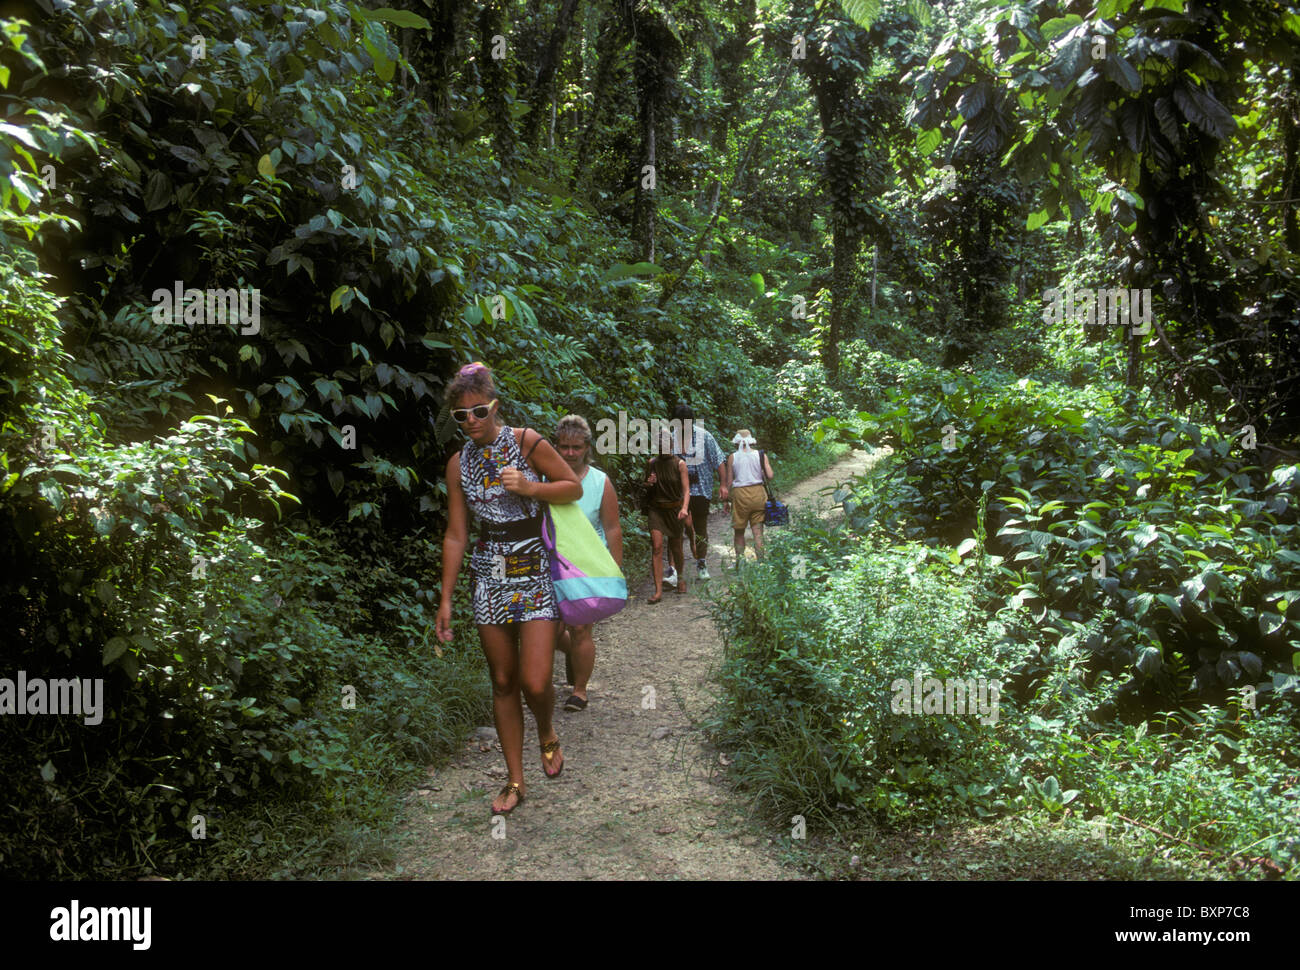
<point>512,582</point>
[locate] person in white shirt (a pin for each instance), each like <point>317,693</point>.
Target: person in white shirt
<point>748,499</point>
<point>704,460</point>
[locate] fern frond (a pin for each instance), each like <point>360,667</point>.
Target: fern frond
<point>518,381</point>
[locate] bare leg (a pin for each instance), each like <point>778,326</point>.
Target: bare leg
<point>498,644</point>
<point>675,544</point>
<point>758,540</point>
<point>584,658</point>
<point>739,544</point>
<point>536,660</point>
<point>564,644</point>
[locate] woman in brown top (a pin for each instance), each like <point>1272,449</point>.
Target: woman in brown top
<point>669,503</point>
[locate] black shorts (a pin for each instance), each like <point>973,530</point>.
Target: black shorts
<point>666,521</point>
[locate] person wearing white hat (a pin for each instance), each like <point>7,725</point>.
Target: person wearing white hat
<point>748,498</point>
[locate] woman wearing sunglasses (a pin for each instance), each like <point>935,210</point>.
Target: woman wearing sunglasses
<point>497,476</point>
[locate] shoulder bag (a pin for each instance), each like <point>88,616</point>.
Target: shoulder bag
<point>775,510</point>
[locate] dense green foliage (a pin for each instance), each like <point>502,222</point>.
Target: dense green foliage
<point>153,472</point>
<point>1167,533</point>
<point>820,636</point>
<point>236,523</point>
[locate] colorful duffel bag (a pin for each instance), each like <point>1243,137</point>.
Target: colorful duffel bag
<point>589,586</point>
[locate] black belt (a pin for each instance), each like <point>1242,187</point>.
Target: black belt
<point>513,531</point>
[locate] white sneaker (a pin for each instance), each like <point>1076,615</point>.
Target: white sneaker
<point>703,573</point>
<point>671,578</point>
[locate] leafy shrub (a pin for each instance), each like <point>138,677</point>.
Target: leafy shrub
<point>817,634</point>
<point>815,638</point>
<point>1229,785</point>
<point>801,394</point>
<point>378,276</point>
<point>224,651</point>
<point>1196,538</point>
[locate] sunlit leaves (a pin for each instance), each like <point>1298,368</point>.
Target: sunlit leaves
<point>621,271</point>
<point>1038,219</point>
<point>377,44</point>
<point>864,13</point>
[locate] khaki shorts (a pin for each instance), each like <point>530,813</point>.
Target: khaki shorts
<point>748,506</point>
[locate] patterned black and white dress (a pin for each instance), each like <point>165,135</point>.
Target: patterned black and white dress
<point>512,573</point>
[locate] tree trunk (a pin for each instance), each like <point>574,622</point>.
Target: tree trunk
<point>729,58</point>
<point>572,119</point>
<point>496,83</point>
<point>1133,374</point>
<point>611,39</point>
<point>845,248</point>
<point>841,112</point>
<point>654,64</point>
<point>644,211</point>
<point>526,45</point>
<point>1291,163</point>
<point>434,57</point>
<point>543,89</point>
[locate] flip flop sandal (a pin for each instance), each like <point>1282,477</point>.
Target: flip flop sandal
<point>655,599</point>
<point>504,793</point>
<point>575,703</point>
<point>549,751</point>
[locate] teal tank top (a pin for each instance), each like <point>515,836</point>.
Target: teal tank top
<point>593,491</point>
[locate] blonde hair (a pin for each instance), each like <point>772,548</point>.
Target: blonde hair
<point>575,426</point>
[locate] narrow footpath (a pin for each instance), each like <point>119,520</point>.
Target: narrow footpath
<point>643,795</point>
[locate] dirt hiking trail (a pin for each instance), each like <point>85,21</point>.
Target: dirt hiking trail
<point>642,795</point>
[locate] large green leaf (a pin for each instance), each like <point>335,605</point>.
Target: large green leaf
<point>864,13</point>
<point>398,18</point>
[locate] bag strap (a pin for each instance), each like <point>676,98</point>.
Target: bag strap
<point>536,441</point>
<point>762,473</point>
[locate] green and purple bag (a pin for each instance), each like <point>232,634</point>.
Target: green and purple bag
<point>589,586</point>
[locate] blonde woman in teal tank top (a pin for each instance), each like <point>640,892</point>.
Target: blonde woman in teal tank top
<point>593,495</point>
<point>600,502</point>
